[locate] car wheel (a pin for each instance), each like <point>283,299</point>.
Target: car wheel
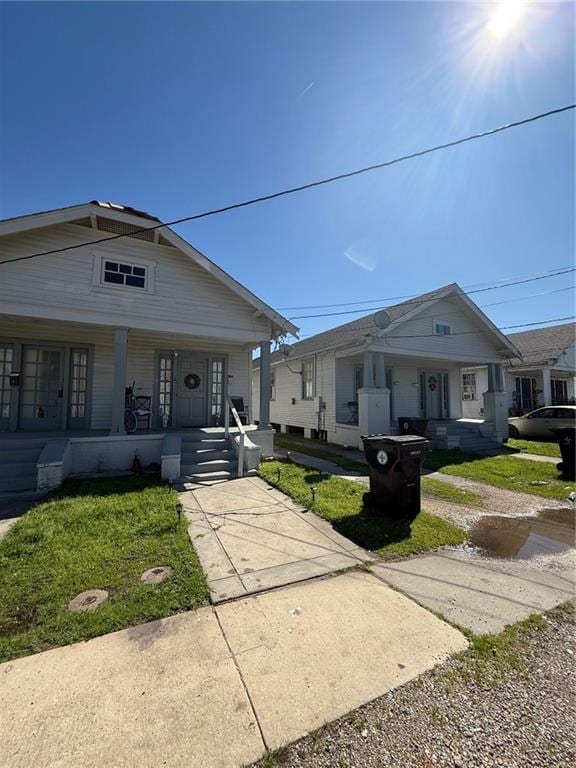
<point>513,432</point>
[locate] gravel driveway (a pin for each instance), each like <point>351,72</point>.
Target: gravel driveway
<point>444,720</point>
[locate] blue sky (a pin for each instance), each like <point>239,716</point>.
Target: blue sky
<point>176,108</point>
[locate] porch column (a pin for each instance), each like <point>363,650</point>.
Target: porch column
<point>368,370</point>
<point>374,397</point>
<point>496,403</point>
<point>119,380</point>
<point>264,385</point>
<point>546,387</point>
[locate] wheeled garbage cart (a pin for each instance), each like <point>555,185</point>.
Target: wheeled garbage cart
<point>395,463</point>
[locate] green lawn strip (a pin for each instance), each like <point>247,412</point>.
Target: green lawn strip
<point>94,534</point>
<point>521,475</point>
<point>340,502</point>
<point>535,447</point>
<point>440,489</point>
<point>491,656</point>
<point>320,450</point>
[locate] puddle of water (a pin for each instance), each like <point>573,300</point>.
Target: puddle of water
<point>551,532</point>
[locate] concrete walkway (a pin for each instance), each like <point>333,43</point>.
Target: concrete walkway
<point>217,687</point>
<point>251,537</point>
<point>480,595</point>
<point>535,457</point>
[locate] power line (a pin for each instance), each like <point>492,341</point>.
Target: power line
<point>435,298</point>
<point>405,296</point>
<point>459,333</point>
<point>309,185</point>
<point>453,314</point>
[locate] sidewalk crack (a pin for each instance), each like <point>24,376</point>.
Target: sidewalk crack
<point>243,681</point>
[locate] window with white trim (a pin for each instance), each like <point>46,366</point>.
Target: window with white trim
<point>468,386</point>
<point>442,329</point>
<point>272,385</point>
<point>307,379</point>
<point>121,273</point>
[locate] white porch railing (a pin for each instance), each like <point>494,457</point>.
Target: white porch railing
<point>229,408</point>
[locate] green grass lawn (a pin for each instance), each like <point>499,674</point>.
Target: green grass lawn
<point>94,534</point>
<point>525,476</point>
<point>321,450</point>
<point>340,502</point>
<point>440,489</point>
<point>533,446</point>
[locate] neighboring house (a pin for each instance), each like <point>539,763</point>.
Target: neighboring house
<point>406,361</point>
<point>77,326</point>
<point>544,375</point>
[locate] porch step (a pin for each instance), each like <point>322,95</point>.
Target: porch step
<point>207,457</point>
<point>201,467</point>
<point>205,454</point>
<point>207,477</point>
<point>18,459</point>
<point>466,437</point>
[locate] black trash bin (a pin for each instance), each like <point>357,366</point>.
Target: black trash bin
<point>395,462</point>
<point>408,425</point>
<point>566,437</point>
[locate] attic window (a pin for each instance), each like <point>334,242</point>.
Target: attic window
<point>118,273</point>
<point>442,329</point>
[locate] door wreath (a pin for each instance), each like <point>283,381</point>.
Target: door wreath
<point>192,381</point>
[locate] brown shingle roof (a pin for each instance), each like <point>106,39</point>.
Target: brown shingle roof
<point>542,345</point>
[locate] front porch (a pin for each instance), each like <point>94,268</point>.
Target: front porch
<point>375,391</point>
<point>64,409</point>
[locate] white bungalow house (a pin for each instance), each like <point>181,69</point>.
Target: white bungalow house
<point>545,374</point>
<point>370,374</point>
<point>80,324</point>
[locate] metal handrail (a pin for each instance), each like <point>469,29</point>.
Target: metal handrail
<point>241,430</point>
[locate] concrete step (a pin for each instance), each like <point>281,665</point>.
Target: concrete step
<point>191,456</point>
<point>18,444</point>
<point>202,467</point>
<point>207,477</point>
<point>19,455</point>
<point>16,469</point>
<point>20,482</point>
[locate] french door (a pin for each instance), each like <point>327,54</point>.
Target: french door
<point>42,388</point>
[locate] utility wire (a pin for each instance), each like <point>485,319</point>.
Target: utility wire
<point>435,298</point>
<point>367,332</point>
<point>310,185</point>
<point>454,314</point>
<point>405,296</point>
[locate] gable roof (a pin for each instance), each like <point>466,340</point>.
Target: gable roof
<point>542,345</point>
<point>357,331</point>
<point>136,220</point>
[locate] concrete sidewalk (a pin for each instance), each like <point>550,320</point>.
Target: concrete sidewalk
<point>251,537</point>
<point>479,594</point>
<point>217,687</point>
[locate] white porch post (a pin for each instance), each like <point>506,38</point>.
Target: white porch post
<point>496,402</point>
<point>119,380</point>
<point>264,385</point>
<point>546,387</point>
<point>374,401</point>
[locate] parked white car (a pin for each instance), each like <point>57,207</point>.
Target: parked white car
<point>538,424</point>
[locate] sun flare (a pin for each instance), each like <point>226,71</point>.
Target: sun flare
<point>506,18</point>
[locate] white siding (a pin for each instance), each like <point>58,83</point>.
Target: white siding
<point>186,298</point>
<point>469,341</point>
<point>405,400</point>
<point>141,358</point>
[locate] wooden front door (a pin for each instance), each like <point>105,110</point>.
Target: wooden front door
<point>42,388</point>
<point>192,390</point>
